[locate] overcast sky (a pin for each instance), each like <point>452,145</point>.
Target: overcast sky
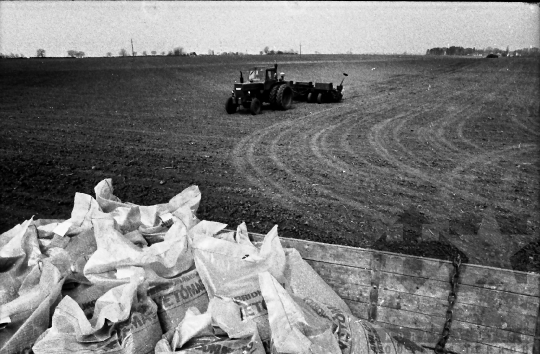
<point>327,27</point>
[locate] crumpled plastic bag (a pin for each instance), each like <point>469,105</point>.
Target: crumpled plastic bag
<point>295,329</point>
<point>149,219</point>
<point>241,235</point>
<point>197,333</point>
<point>301,278</point>
<point>125,321</point>
<point>115,255</point>
<point>174,296</point>
<point>305,282</point>
<point>45,227</point>
<point>26,317</point>
<point>226,315</point>
<point>84,209</point>
<point>19,253</point>
<point>230,270</point>
<point>212,344</point>
<point>355,335</point>
<point>195,324</point>
<point>169,268</point>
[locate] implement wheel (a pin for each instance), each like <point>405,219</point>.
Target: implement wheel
<point>312,97</point>
<point>255,107</point>
<point>320,97</point>
<point>284,97</point>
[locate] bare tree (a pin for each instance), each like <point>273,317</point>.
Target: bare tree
<point>109,54</point>
<point>178,51</point>
<point>40,53</point>
<point>123,52</point>
<point>144,53</point>
<point>76,54</point>
<point>266,50</point>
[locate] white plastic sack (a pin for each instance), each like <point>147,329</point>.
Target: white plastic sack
<point>356,336</point>
<point>19,253</point>
<point>305,282</point>
<point>84,209</point>
<point>295,330</point>
<point>147,219</point>
<point>115,255</point>
<point>124,321</point>
<point>174,296</point>
<point>26,317</point>
<point>230,270</point>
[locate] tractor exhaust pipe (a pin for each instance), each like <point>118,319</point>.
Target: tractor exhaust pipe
<point>344,74</point>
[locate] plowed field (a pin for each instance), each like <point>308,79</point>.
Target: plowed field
<point>424,155</point>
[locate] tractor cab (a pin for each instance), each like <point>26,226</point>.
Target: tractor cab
<point>265,75</point>
<point>260,74</point>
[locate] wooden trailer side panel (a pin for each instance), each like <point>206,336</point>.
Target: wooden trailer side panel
<point>496,310</point>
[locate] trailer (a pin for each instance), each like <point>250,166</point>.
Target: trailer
<point>494,310</point>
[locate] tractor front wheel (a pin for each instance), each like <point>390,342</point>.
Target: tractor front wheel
<point>255,107</point>
<point>284,97</point>
<point>230,106</point>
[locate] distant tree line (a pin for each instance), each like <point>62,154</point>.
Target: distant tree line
<point>455,50</point>
<point>269,51</point>
<point>76,54</point>
<point>12,56</point>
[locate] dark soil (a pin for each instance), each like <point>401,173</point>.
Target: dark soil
<point>424,156</point>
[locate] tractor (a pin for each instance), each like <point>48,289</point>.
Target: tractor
<point>262,86</point>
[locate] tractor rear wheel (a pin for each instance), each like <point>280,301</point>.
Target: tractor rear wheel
<point>230,106</point>
<point>255,107</point>
<point>312,97</point>
<point>284,97</point>
<point>273,97</point>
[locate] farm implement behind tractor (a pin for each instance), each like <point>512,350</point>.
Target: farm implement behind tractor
<point>264,86</point>
<point>320,92</point>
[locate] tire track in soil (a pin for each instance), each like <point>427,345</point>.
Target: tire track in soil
<point>447,183</point>
<point>367,208</point>
<point>309,157</point>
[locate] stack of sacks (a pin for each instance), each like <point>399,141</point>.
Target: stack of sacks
<point>66,246</point>
<point>122,278</point>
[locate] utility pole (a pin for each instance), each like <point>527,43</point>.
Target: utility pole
<point>132,52</point>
